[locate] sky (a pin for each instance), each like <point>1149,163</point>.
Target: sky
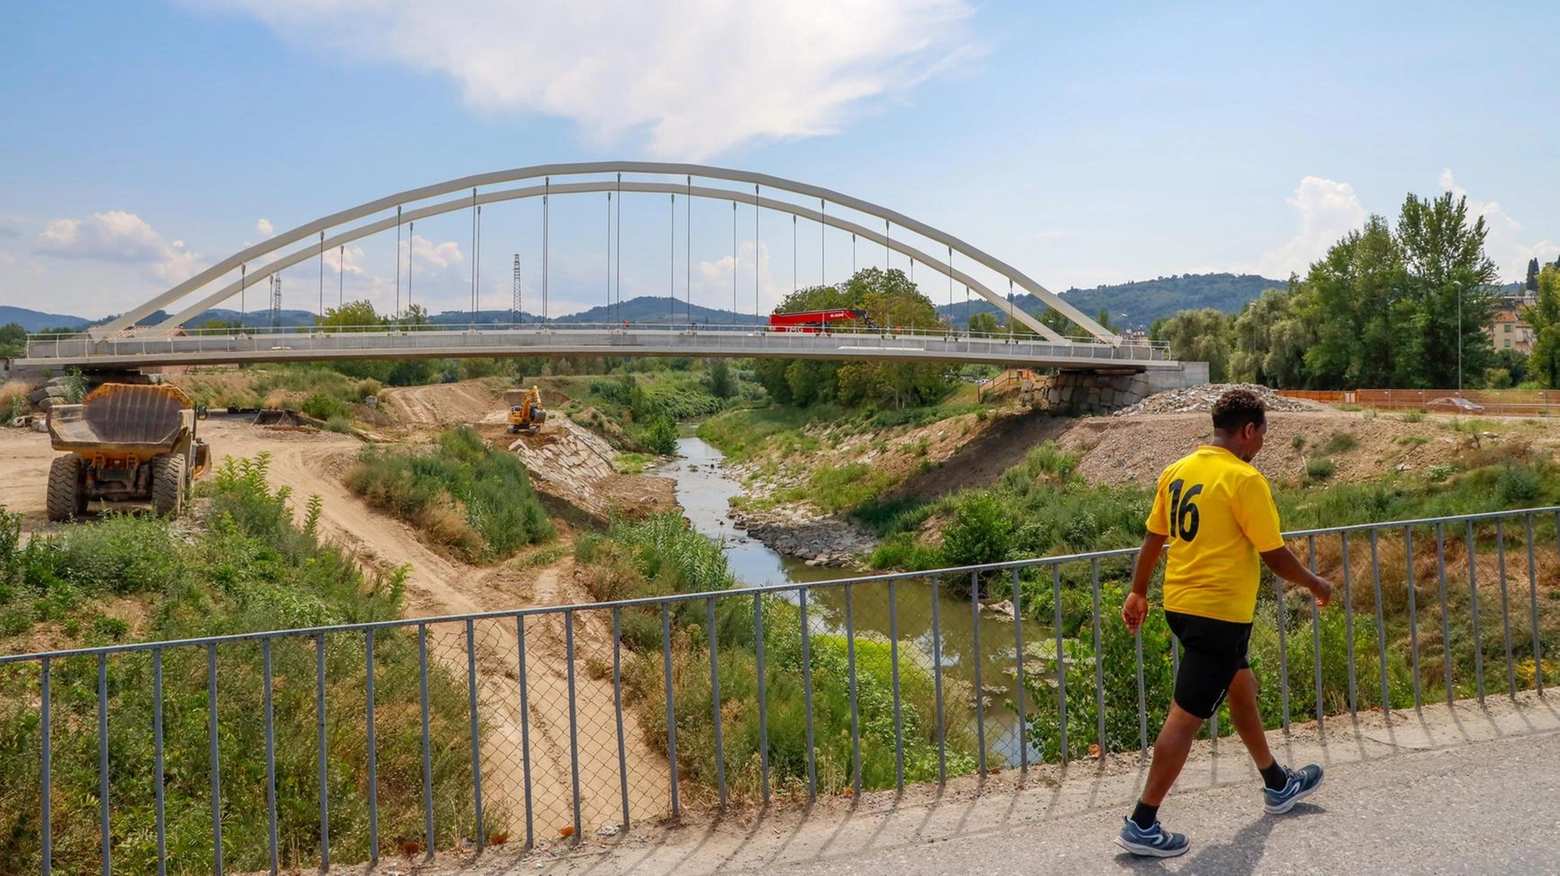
<point>1081,143</point>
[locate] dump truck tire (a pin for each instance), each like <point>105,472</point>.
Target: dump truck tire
<point>168,485</point>
<point>66,497</point>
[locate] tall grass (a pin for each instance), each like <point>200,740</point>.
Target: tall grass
<point>462,493</point>
<point>250,568</point>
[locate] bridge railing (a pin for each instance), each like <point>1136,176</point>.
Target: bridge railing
<point>464,731</point>
<point>634,338</point>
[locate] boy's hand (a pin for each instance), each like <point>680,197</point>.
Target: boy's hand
<point>1322,590</point>
<point>1134,610</point>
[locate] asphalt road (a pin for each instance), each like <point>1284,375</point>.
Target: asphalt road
<point>1481,809</point>
<point>1472,789</point>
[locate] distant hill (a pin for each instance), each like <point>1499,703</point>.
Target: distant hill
<point>1137,304</point>
<point>34,321</point>
<point>647,309</point>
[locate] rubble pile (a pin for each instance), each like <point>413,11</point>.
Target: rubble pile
<point>1201,398</point>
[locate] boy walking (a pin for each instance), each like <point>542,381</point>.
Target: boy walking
<point>1216,513</point>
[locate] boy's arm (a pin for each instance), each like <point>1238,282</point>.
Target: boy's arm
<point>1286,565</point>
<point>1135,609</point>
<point>1258,518</point>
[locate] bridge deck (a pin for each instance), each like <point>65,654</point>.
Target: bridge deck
<point>701,342</point>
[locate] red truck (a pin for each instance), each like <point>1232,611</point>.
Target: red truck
<point>815,320</point>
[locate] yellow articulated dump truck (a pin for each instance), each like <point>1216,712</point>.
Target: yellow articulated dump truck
<point>124,443</point>
<point>528,414</point>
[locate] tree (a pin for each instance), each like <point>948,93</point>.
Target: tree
<point>354,316</point>
<point>1532,275</point>
<point>1514,364</point>
<point>1450,290</point>
<point>722,382</point>
<point>13,341</point>
<point>415,318</point>
<point>1271,337</point>
<point>1544,317</point>
<point>1354,295</point>
<point>891,301</point>
<point>1198,336</point>
<point>984,323</point>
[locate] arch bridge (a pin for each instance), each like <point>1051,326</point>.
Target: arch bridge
<point>127,341</point>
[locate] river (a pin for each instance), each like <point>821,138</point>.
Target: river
<point>705,492</point>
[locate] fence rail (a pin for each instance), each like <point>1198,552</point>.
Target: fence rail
<point>462,731</point>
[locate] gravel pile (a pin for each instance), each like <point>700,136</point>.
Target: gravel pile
<point>1201,398</point>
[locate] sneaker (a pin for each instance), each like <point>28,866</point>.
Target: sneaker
<point>1154,842</point>
<point>1301,783</point>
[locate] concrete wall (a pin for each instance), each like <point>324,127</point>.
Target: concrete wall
<point>1085,393</point>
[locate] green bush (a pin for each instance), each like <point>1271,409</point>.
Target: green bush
<point>1517,484</point>
<point>981,532</point>
<point>323,407</point>
<point>1319,468</point>
<point>1340,442</point>
<point>250,568</point>
<point>660,437</point>
<point>463,494</point>
<point>1117,671</point>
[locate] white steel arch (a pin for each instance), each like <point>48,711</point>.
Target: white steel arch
<point>312,229</point>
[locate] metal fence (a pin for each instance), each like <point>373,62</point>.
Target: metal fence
<point>1467,402</point>
<point>348,742</point>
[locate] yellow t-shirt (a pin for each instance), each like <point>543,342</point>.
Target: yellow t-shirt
<point>1218,513</point>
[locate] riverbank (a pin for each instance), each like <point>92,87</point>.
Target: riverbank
<point>713,498</point>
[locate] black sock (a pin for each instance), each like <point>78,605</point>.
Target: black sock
<point>1145,815</point>
<point>1274,777</point>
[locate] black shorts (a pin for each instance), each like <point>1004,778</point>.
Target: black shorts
<point>1212,651</point>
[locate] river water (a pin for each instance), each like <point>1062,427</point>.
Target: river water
<point>705,492</point>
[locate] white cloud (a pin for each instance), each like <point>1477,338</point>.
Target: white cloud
<point>1502,241</point>
<point>693,76</point>
<point>119,237</point>
<point>263,228</point>
<point>435,255</point>
<point>713,285</point>
<point>345,259</point>
<point>1328,210</point>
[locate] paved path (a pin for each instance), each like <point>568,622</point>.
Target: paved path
<point>1466,790</point>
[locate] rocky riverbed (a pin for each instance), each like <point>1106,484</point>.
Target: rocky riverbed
<point>828,541</point>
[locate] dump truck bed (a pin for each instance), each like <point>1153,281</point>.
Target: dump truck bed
<point>123,418</point>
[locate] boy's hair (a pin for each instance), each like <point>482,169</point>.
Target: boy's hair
<point>1236,408</point>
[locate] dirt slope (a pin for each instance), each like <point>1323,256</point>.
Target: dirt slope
<point>444,405</point>
<point>311,463</point>
<point>1135,449</point>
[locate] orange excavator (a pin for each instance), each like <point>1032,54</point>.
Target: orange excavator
<point>528,415</point>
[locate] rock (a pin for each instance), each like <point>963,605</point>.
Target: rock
<point>1004,608</point>
<point>608,830</point>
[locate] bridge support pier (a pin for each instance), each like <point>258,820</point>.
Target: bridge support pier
<point>1086,393</point>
